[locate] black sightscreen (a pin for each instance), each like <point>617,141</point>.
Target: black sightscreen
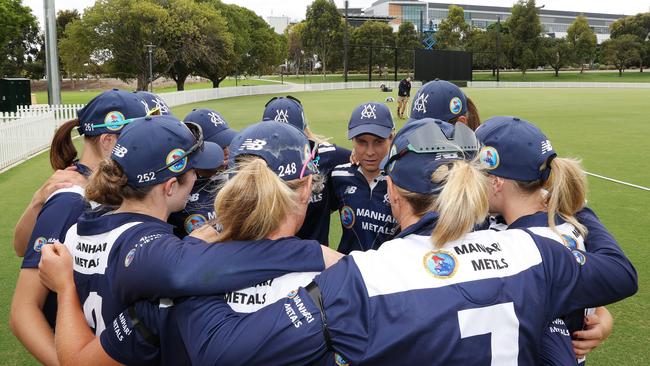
<point>445,65</point>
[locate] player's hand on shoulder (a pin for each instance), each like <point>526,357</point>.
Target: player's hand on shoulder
<point>330,256</point>
<point>65,178</point>
<point>206,233</point>
<point>55,268</point>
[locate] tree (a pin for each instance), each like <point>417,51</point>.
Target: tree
<point>295,47</point>
<point>408,39</point>
<point>200,34</point>
<point>453,32</point>
<point>621,51</point>
<point>582,40</point>
<point>525,29</point>
<point>639,26</point>
<point>63,18</point>
<point>558,53</point>
<point>19,38</point>
<point>323,30</point>
<point>75,49</point>
<point>378,36</point>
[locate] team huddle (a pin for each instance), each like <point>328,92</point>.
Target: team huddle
<point>177,242</point>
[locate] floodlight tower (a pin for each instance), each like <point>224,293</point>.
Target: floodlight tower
<point>51,56</point>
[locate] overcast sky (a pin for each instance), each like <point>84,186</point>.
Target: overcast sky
<point>295,9</point>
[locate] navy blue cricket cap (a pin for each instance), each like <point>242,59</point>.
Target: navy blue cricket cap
<point>215,128</point>
<point>421,147</point>
<point>286,110</point>
<point>153,149</point>
<point>515,149</point>
<point>109,112</point>
<point>373,118</point>
<point>153,101</point>
<point>284,148</point>
<point>438,99</point>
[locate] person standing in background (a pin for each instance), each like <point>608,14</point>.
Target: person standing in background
<point>403,95</point>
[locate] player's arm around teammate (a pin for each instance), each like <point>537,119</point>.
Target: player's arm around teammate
<point>33,306</point>
<point>533,188</point>
<point>367,306</point>
<point>273,184</point>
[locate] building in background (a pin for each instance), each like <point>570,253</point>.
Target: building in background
<point>279,24</point>
<point>424,14</point>
<point>357,16</point>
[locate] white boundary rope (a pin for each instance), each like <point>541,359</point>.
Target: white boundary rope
<point>618,181</point>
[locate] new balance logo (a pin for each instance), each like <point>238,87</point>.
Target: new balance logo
<point>350,190</point>
<point>282,115</point>
<point>216,119</point>
<point>119,151</point>
<point>420,104</point>
<point>369,112</point>
<point>250,144</point>
<point>546,146</point>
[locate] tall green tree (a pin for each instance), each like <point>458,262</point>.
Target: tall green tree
<point>408,39</point>
<point>453,32</point>
<point>376,35</point>
<point>19,38</point>
<point>621,52</point>
<point>639,26</point>
<point>75,50</point>
<point>323,30</point>
<point>198,33</point>
<point>525,28</point>
<point>558,53</point>
<point>295,47</point>
<point>583,41</point>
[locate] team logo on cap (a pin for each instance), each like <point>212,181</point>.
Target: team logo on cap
<point>570,241</point>
<point>114,120</point>
<point>282,115</point>
<point>455,105</point>
<point>347,217</point>
<point>38,244</point>
<point>440,263</point>
<point>173,155</point>
<point>339,360</point>
<point>369,112</point>
<point>580,257</point>
<point>292,294</point>
<point>420,104</point>
<point>216,119</point>
<point>194,222</point>
<point>489,157</point>
<point>129,257</point>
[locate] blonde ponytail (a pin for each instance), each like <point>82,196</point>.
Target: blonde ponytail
<point>255,201</point>
<point>462,203</point>
<point>567,192</point>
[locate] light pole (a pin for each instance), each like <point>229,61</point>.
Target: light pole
<point>51,56</point>
<point>345,45</point>
<point>150,48</point>
<point>498,45</point>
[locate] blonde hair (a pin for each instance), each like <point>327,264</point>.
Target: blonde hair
<point>255,201</point>
<point>567,192</point>
<point>462,203</point>
<point>423,203</point>
<point>318,139</point>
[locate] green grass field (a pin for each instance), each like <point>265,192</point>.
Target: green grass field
<point>82,97</point>
<point>608,129</point>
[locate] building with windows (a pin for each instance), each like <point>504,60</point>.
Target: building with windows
<point>429,14</point>
<point>279,24</point>
<point>357,16</point>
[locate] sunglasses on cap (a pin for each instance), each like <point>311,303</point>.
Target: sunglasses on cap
<point>287,97</point>
<point>429,139</point>
<point>152,112</point>
<point>197,132</point>
<point>312,163</point>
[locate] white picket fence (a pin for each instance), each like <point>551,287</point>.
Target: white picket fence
<point>22,138</point>
<point>61,113</point>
